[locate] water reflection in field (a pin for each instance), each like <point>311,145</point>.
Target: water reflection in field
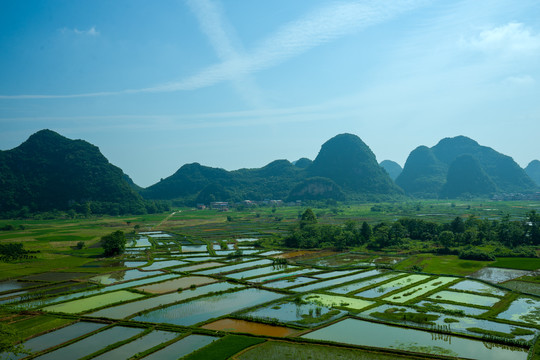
<point>385,336</point>
<point>203,309</point>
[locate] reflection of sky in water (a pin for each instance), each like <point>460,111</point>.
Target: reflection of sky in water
<point>122,276</point>
<point>467,310</point>
<point>182,347</point>
<point>203,309</point>
<point>362,284</point>
<point>385,336</point>
<point>461,326</point>
<point>476,286</point>
<point>291,312</point>
<point>128,309</point>
<point>523,309</point>
<point>497,275</point>
<point>289,282</point>
<point>392,285</point>
<point>465,298</point>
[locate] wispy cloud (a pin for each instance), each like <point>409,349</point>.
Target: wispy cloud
<point>510,39</point>
<point>90,32</point>
<point>323,25</point>
<point>223,39</point>
<point>520,80</point>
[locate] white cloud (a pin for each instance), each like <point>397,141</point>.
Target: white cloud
<point>222,36</point>
<point>323,25</point>
<point>520,80</point>
<point>512,38</point>
<point>90,32</point>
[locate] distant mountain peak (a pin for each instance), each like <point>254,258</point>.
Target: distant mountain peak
<point>351,164</point>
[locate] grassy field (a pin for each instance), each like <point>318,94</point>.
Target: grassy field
<point>517,263</point>
<point>224,348</point>
<point>445,264</point>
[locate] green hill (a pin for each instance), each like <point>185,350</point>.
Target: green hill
<point>345,168</point>
<point>423,174</point>
<point>392,168</point>
<point>426,170</point>
<point>466,177</point>
<point>351,164</point>
<point>533,170</point>
<point>50,172</point>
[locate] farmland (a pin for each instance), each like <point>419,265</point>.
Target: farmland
<point>193,285</point>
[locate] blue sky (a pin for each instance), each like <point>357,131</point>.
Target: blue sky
<point>239,83</point>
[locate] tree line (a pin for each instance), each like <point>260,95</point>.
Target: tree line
<point>472,231</point>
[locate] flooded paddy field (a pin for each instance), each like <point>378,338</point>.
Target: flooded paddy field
<point>236,267</point>
<point>138,345</point>
<point>289,282</point>
<point>419,290</point>
<point>158,265</point>
<point>165,304</point>
<point>279,350</point>
<point>299,312</point>
<point>203,309</point>
<point>176,284</point>
<point>201,266</point>
<point>359,285</point>
<point>523,286</point>
<point>250,327</point>
<point>498,275</point>
<point>477,287</point>
<point>331,282</point>
<point>385,336</point>
<point>460,324</point>
<point>182,347</point>
<point>465,298</point>
<point>92,343</point>
<point>335,301</point>
<point>121,276</point>
<point>55,338</point>
<point>261,271</point>
<point>290,271</point>
<point>523,309</point>
<point>392,286</point>
<point>129,309</point>
<point>93,302</point>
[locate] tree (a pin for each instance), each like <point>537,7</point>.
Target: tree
<point>114,243</point>
<point>457,225</point>
<point>533,227</point>
<point>365,232</point>
<point>308,217</point>
<point>446,238</point>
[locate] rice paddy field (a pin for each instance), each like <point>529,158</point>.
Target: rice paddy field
<point>176,294</point>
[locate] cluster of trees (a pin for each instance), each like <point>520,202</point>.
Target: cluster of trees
<point>459,232</point>
<point>14,251</point>
<point>75,209</point>
<point>114,243</point>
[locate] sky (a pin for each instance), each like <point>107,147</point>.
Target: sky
<point>240,83</point>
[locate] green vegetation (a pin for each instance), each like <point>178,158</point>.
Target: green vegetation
<point>14,251</point>
<point>518,263</point>
<point>395,314</point>
<point>55,245</point>
<point>50,173</point>
<point>114,243</point>
<point>490,332</point>
<point>460,167</point>
<point>225,347</point>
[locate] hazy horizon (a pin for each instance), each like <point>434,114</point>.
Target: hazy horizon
<point>156,85</point>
